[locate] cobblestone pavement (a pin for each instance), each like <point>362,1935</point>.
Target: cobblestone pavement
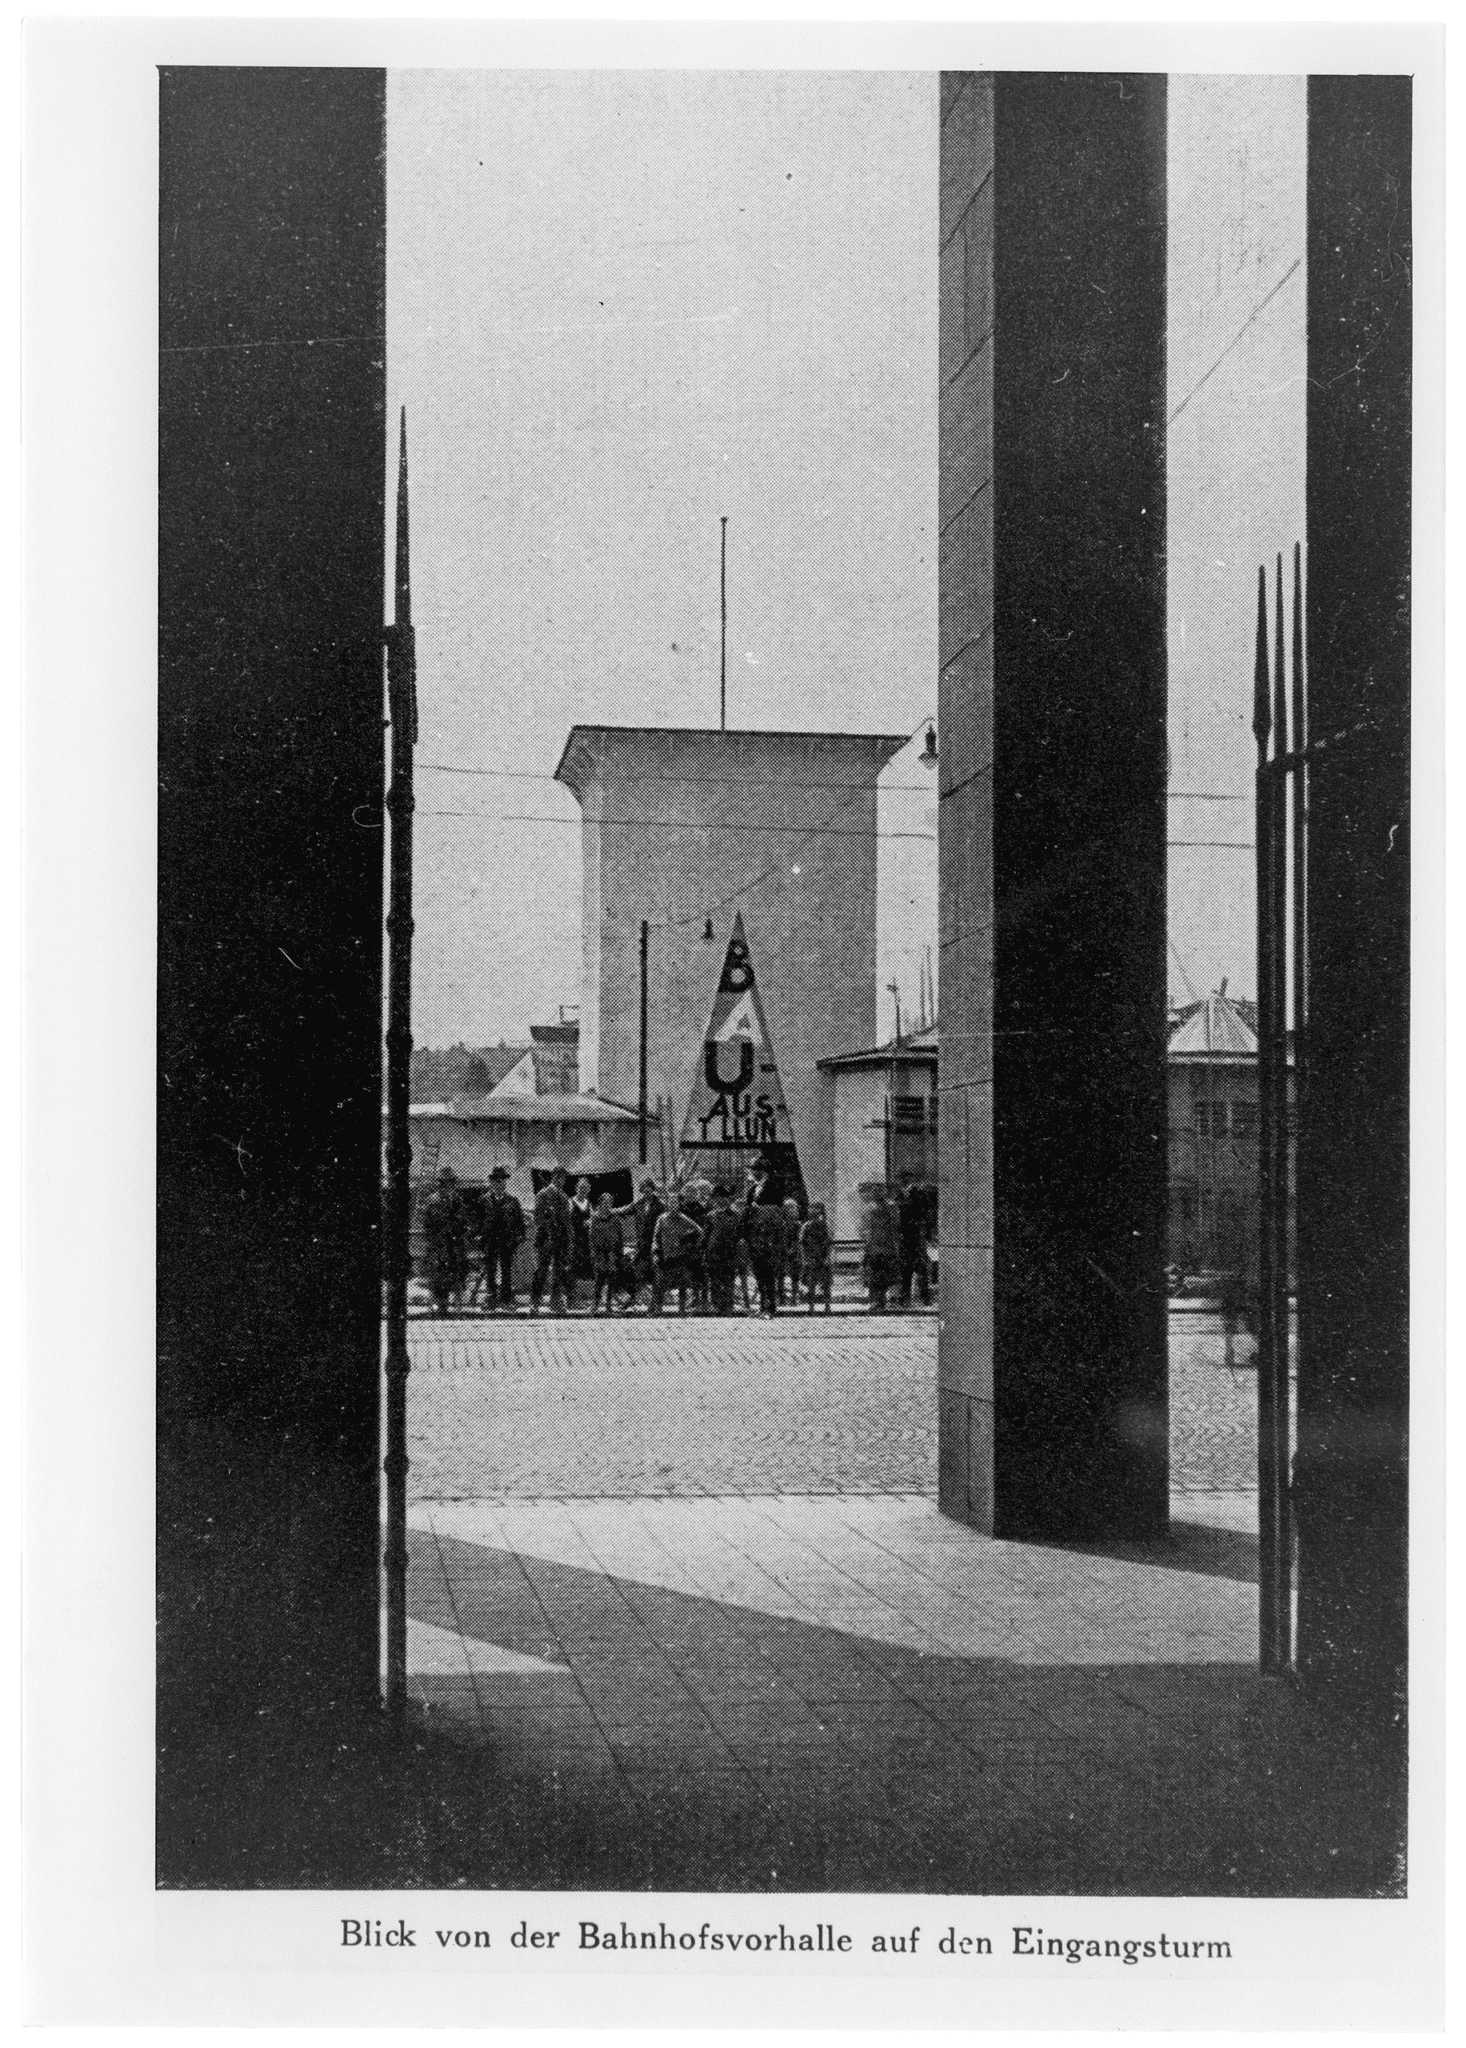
<point>643,1408</point>
<point>683,1607</point>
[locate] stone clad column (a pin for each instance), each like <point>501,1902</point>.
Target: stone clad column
<point>1053,707</point>
<point>964,719</point>
<point>1351,1495</point>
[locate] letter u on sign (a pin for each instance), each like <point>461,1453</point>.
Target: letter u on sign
<point>711,1062</point>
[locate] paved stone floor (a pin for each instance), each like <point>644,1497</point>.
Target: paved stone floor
<point>681,1591</point>
<point>639,1406</point>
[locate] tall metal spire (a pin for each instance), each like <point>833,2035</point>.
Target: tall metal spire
<point>397,1247</point>
<point>402,610</point>
<point>1262,708</point>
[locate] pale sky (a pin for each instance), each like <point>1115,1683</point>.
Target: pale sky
<point>621,305</point>
<point>1236,180</point>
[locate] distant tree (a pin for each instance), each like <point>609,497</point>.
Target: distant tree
<point>441,1072</point>
<point>476,1078</point>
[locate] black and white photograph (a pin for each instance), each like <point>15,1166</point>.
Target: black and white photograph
<point>782,944</point>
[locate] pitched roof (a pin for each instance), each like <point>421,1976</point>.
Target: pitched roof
<point>917,1046</point>
<point>527,1109</point>
<point>1214,1029</point>
<point>521,1079</point>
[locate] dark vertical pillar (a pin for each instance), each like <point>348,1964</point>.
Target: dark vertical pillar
<point>270,602</point>
<point>1079,786</point>
<point>1353,1162</point>
<point>964,769</point>
<point>1052,1356</point>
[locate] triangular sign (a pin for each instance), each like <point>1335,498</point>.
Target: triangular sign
<point>742,1021</point>
<point>737,1101</point>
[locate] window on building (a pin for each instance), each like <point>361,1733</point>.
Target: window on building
<point>1227,1119</point>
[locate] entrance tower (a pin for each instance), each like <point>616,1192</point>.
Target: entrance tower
<point>691,831</point>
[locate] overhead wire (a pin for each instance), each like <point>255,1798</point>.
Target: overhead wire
<point>742,826</point>
<point>707,909</point>
<point>849,792</point>
<point>678,824</point>
<point>719,781</point>
<point>1176,956</point>
<point>1261,306</point>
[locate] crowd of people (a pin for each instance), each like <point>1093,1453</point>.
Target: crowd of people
<point>713,1250</point>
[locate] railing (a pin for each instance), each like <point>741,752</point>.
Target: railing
<point>1282,990</point>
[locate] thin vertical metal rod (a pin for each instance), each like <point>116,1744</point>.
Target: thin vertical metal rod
<point>1300,1017</point>
<point>723,629</point>
<point>402,714</point>
<point>641,1061</point>
<point>1275,1557</point>
<point>1282,1202</point>
<point>1213,1238</point>
<point>1267,1347</point>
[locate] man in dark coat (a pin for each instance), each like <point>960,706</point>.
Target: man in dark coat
<point>725,1232</point>
<point>911,1212</point>
<point>763,1227</point>
<point>552,1245</point>
<point>696,1200</point>
<point>762,1186</point>
<point>643,1215</point>
<point>882,1251</point>
<point>789,1267</point>
<point>472,1199</point>
<point>501,1231</point>
<point>445,1233</point>
<point>816,1256</point>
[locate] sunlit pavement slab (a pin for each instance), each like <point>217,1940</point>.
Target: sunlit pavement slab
<point>798,1691</point>
<point>876,1572</point>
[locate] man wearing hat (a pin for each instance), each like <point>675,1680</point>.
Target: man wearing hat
<point>501,1232</point>
<point>445,1235</point>
<point>645,1211</point>
<point>552,1245</point>
<point>763,1229</point>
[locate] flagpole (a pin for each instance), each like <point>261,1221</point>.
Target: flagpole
<point>723,629</point>
<point>641,1064</point>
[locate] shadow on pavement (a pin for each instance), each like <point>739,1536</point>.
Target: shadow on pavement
<point>1190,1547</point>
<point>721,1750</point>
<point>694,1745</point>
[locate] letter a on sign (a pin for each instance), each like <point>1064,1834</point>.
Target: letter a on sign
<point>737,1103</point>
